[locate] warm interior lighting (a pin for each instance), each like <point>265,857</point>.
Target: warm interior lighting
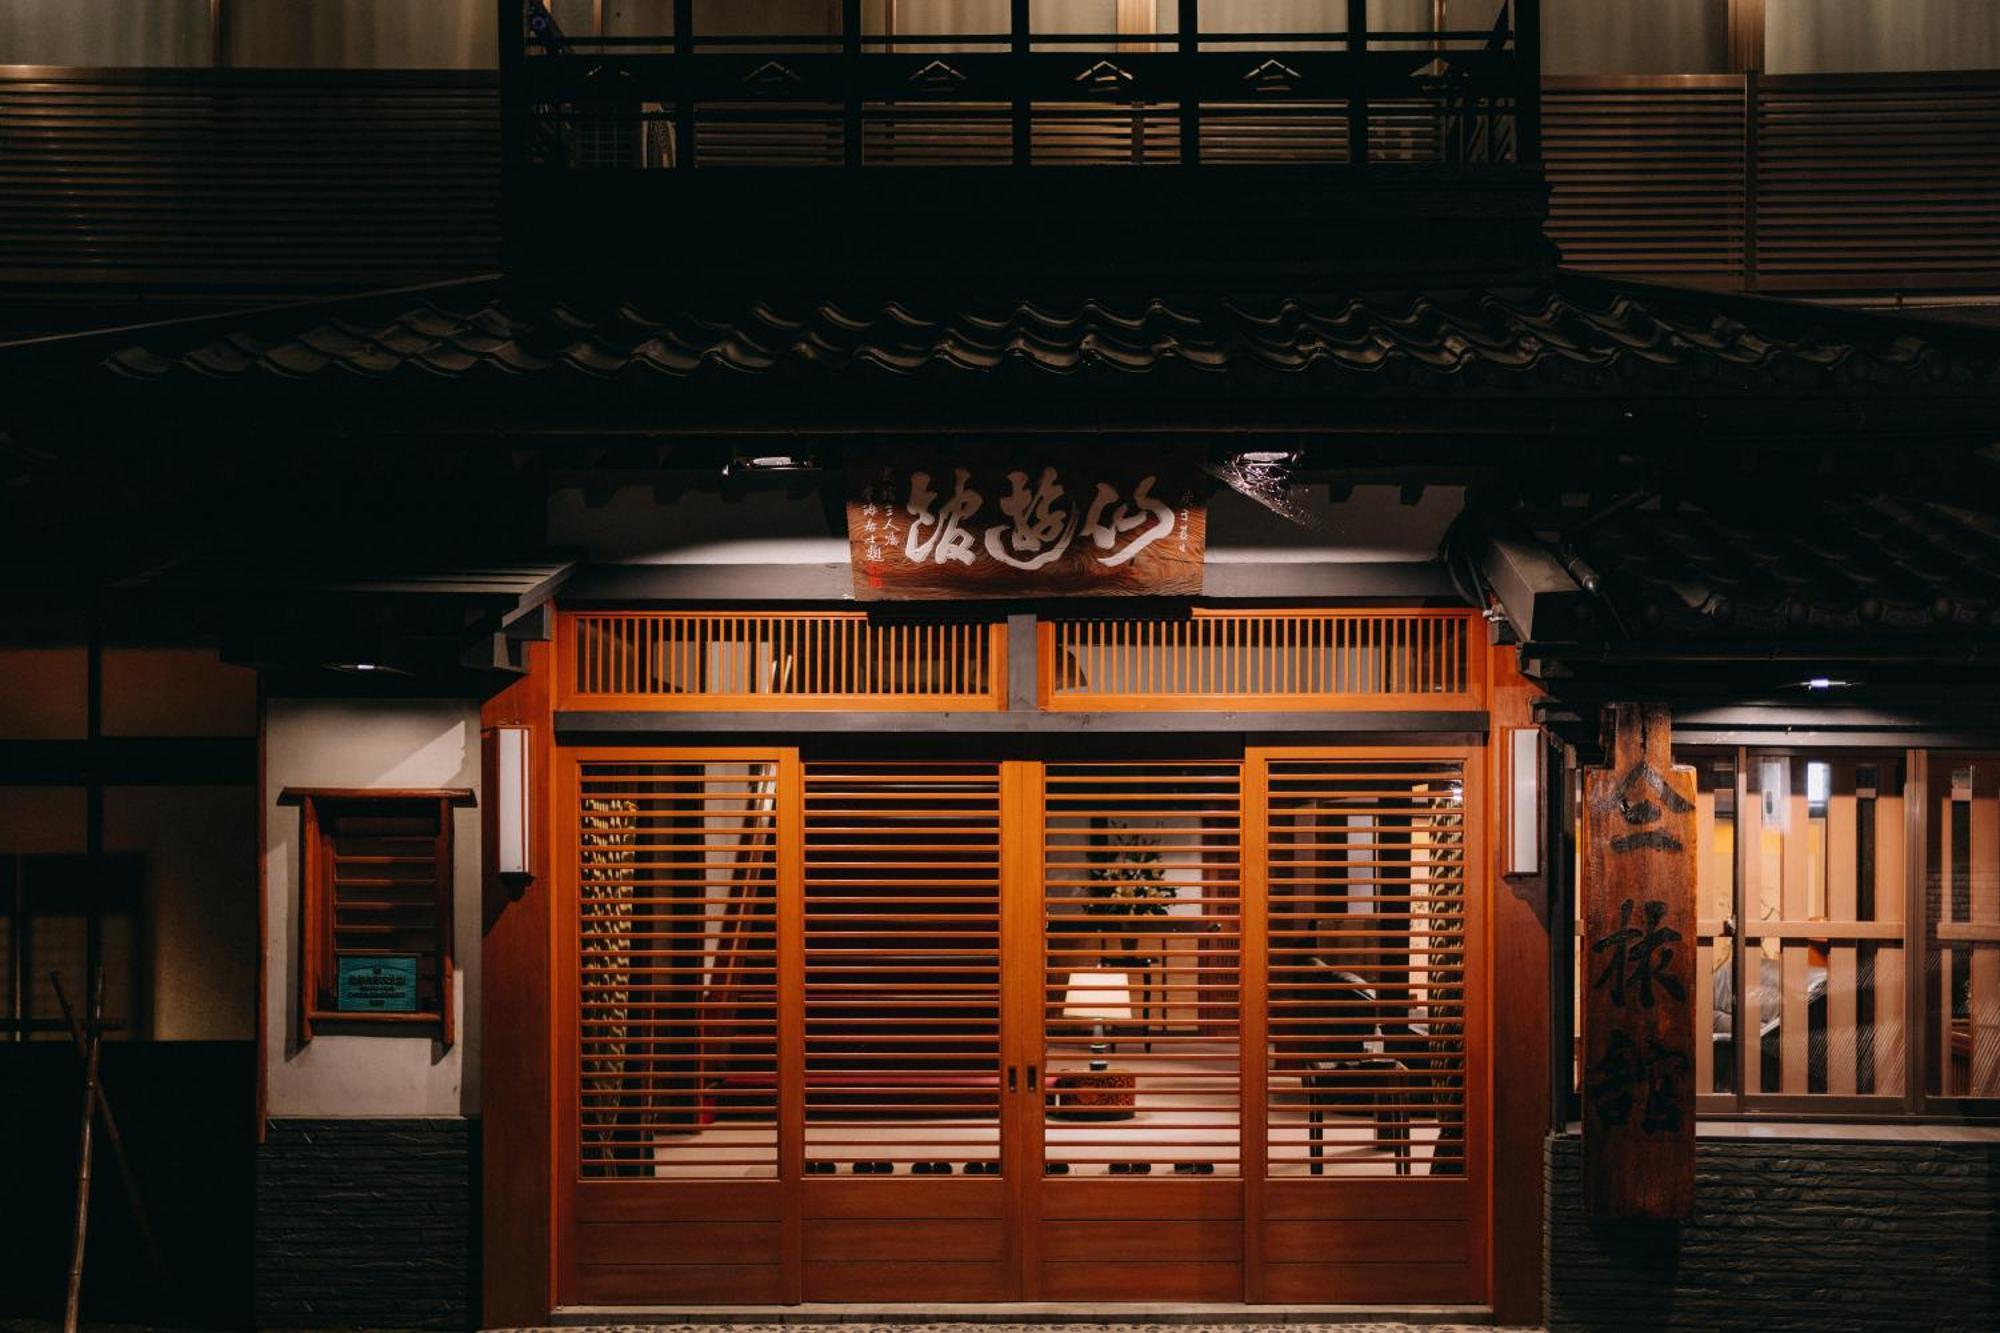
<point>1524,800</point>
<point>1098,998</point>
<point>508,800</point>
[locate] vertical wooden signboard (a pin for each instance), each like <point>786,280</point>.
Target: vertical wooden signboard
<point>1638,960</point>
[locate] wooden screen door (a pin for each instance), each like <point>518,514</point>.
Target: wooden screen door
<point>786,1076</point>
<point>917,1030</point>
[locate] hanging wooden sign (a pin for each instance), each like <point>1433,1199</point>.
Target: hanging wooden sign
<point>1639,935</point>
<point>1041,521</point>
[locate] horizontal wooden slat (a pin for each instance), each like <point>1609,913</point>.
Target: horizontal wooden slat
<point>1064,1280</point>
<point>641,1284</point>
<point>888,1239</point>
<point>904,1280</point>
<point>182,178</point>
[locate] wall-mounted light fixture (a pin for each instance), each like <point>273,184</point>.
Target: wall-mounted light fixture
<point>1526,757</point>
<point>507,802</point>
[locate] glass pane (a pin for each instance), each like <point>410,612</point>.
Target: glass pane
<point>677,970</point>
<point>105,33</point>
<point>1635,36</point>
<point>1366,944</point>
<point>1857,36</point>
<point>1962,906</point>
<point>1141,893</point>
<point>362,34</point>
<point>1822,935</point>
<point>902,969</point>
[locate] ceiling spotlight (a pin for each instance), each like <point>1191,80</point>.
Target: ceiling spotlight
<point>366,669</point>
<point>1826,683</point>
<point>771,463</point>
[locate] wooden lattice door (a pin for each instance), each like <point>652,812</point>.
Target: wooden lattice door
<point>925,1030</point>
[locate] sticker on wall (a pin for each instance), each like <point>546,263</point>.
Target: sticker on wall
<point>384,985</point>
<point>1041,520</point>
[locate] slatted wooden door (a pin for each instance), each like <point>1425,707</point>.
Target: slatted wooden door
<point>905,1196</point>
<point>782,1072</point>
<point>1364,940</point>
<point>680,873</point>
<point>899,1030</point>
<point>1139,1161</point>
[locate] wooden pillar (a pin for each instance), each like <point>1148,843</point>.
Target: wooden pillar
<point>1522,919</point>
<point>1638,958</point>
<point>518,1138</point>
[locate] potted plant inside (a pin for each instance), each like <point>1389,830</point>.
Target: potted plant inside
<point>1127,880</point>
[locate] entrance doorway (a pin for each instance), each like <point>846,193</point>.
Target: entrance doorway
<point>839,1029</point>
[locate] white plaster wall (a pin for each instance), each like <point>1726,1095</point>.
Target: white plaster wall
<point>321,743</point>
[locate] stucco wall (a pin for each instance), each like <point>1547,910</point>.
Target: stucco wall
<point>319,743</point>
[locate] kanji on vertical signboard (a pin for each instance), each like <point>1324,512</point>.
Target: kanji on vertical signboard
<point>1638,970</point>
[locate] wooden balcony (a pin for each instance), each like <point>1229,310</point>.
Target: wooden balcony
<point>916,149</point>
<point>249,182</point>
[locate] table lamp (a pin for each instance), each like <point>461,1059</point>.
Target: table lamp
<point>1099,998</point>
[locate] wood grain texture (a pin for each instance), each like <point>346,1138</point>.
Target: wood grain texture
<point>1639,932</point>
<point>1521,923</point>
<point>1038,521</point>
<point>516,1198</point>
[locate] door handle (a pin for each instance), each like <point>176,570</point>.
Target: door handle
<point>1013,1079</point>
<point>1033,1072</point>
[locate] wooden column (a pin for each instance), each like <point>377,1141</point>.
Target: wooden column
<point>1521,1020</point>
<point>1639,942</point>
<point>518,1141</point>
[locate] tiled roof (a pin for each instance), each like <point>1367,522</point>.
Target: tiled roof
<point>1800,562</point>
<point>1574,334</point>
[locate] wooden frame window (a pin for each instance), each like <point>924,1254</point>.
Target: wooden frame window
<point>375,907</point>
<point>55,916</point>
<point>1848,946</point>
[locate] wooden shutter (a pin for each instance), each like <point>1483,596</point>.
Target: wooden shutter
<point>376,872</point>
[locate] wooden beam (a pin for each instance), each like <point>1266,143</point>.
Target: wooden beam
<point>225,761</point>
<point>1399,583</point>
<point>1638,942</point>
<point>647,726</point>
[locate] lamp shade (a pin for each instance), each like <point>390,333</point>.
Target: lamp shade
<point>1100,997</point>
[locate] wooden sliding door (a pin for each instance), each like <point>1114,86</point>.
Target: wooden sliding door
<point>1141,1146</point>
<point>668,956</point>
<point>905,1188</point>
<point>894,1029</point>
<point>1374,1107</point>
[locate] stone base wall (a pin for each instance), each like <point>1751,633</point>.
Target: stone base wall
<point>368,1224</point>
<point>1789,1234</point>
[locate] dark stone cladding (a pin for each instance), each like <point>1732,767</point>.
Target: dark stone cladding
<point>368,1224</point>
<point>1788,1234</point>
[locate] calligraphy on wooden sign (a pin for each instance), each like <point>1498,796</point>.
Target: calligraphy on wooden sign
<point>1040,521</point>
<point>1639,976</point>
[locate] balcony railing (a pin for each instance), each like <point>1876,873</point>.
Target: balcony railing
<point>858,97</point>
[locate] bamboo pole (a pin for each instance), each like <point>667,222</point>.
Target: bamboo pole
<point>94,1046</point>
<point>117,1141</point>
